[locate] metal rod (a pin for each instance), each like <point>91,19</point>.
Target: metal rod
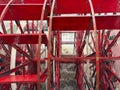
<point>91,47</point>
<point>109,82</point>
<point>105,40</point>
<point>5,10</point>
<point>113,42</point>
<point>49,45</point>
<point>3,28</point>
<point>57,79</point>
<point>96,45</point>
<point>112,72</point>
<point>103,31</point>
<point>11,27</point>
<point>83,43</point>
<point>27,26</point>
<point>93,40</point>
<point>39,45</point>
<point>5,49</point>
<point>14,69</point>
<point>79,59</point>
<point>23,52</point>
<point>33,27</point>
<point>19,25</point>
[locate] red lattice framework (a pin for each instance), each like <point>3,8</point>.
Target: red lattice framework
<point>90,20</point>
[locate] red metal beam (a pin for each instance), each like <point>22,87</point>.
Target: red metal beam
<point>34,1</point>
<point>96,46</point>
<point>112,72</point>
<point>5,73</point>
<point>22,39</point>
<point>23,11</point>
<point>39,44</point>
<point>82,22</point>
<point>3,27</point>
<point>19,25</point>
<point>5,49</point>
<point>22,1</point>
<point>22,52</point>
<point>83,59</point>
<point>34,60</point>
<point>113,42</point>
<point>74,59</point>
<point>50,46</point>
<point>21,79</point>
<point>4,11</point>
<point>82,6</point>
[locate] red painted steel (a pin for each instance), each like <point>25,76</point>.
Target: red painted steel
<point>22,39</point>
<point>3,27</point>
<point>18,24</point>
<point>34,1</point>
<point>21,79</point>
<point>83,59</point>
<point>50,45</point>
<point>25,12</point>
<point>82,22</point>
<point>100,57</point>
<point>39,44</point>
<point>5,9</point>
<point>6,1</point>
<point>82,6</point>
<point>22,1</point>
<point>96,36</point>
<point>57,63</point>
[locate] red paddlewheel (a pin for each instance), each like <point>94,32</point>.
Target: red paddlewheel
<point>30,56</point>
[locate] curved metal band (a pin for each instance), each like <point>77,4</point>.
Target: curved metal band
<point>49,43</point>
<point>96,44</point>
<point>39,45</point>
<point>5,10</point>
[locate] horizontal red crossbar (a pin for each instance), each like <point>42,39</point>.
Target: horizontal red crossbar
<point>21,79</point>
<point>83,22</point>
<point>23,11</point>
<point>22,1</point>
<point>22,39</point>
<point>82,6</point>
<point>73,59</point>
<point>34,60</point>
<point>68,59</point>
<point>34,1</point>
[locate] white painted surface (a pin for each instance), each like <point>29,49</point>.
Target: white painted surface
<point>12,65</point>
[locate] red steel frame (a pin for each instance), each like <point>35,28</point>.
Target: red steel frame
<point>82,24</point>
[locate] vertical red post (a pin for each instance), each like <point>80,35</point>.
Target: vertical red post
<point>27,26</point>
<point>11,27</point>
<point>80,76</point>
<point>96,46</point>
<point>57,79</point>
<point>33,26</point>
<point>50,46</point>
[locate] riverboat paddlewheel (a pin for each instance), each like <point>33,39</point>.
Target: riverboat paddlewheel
<point>25,46</point>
